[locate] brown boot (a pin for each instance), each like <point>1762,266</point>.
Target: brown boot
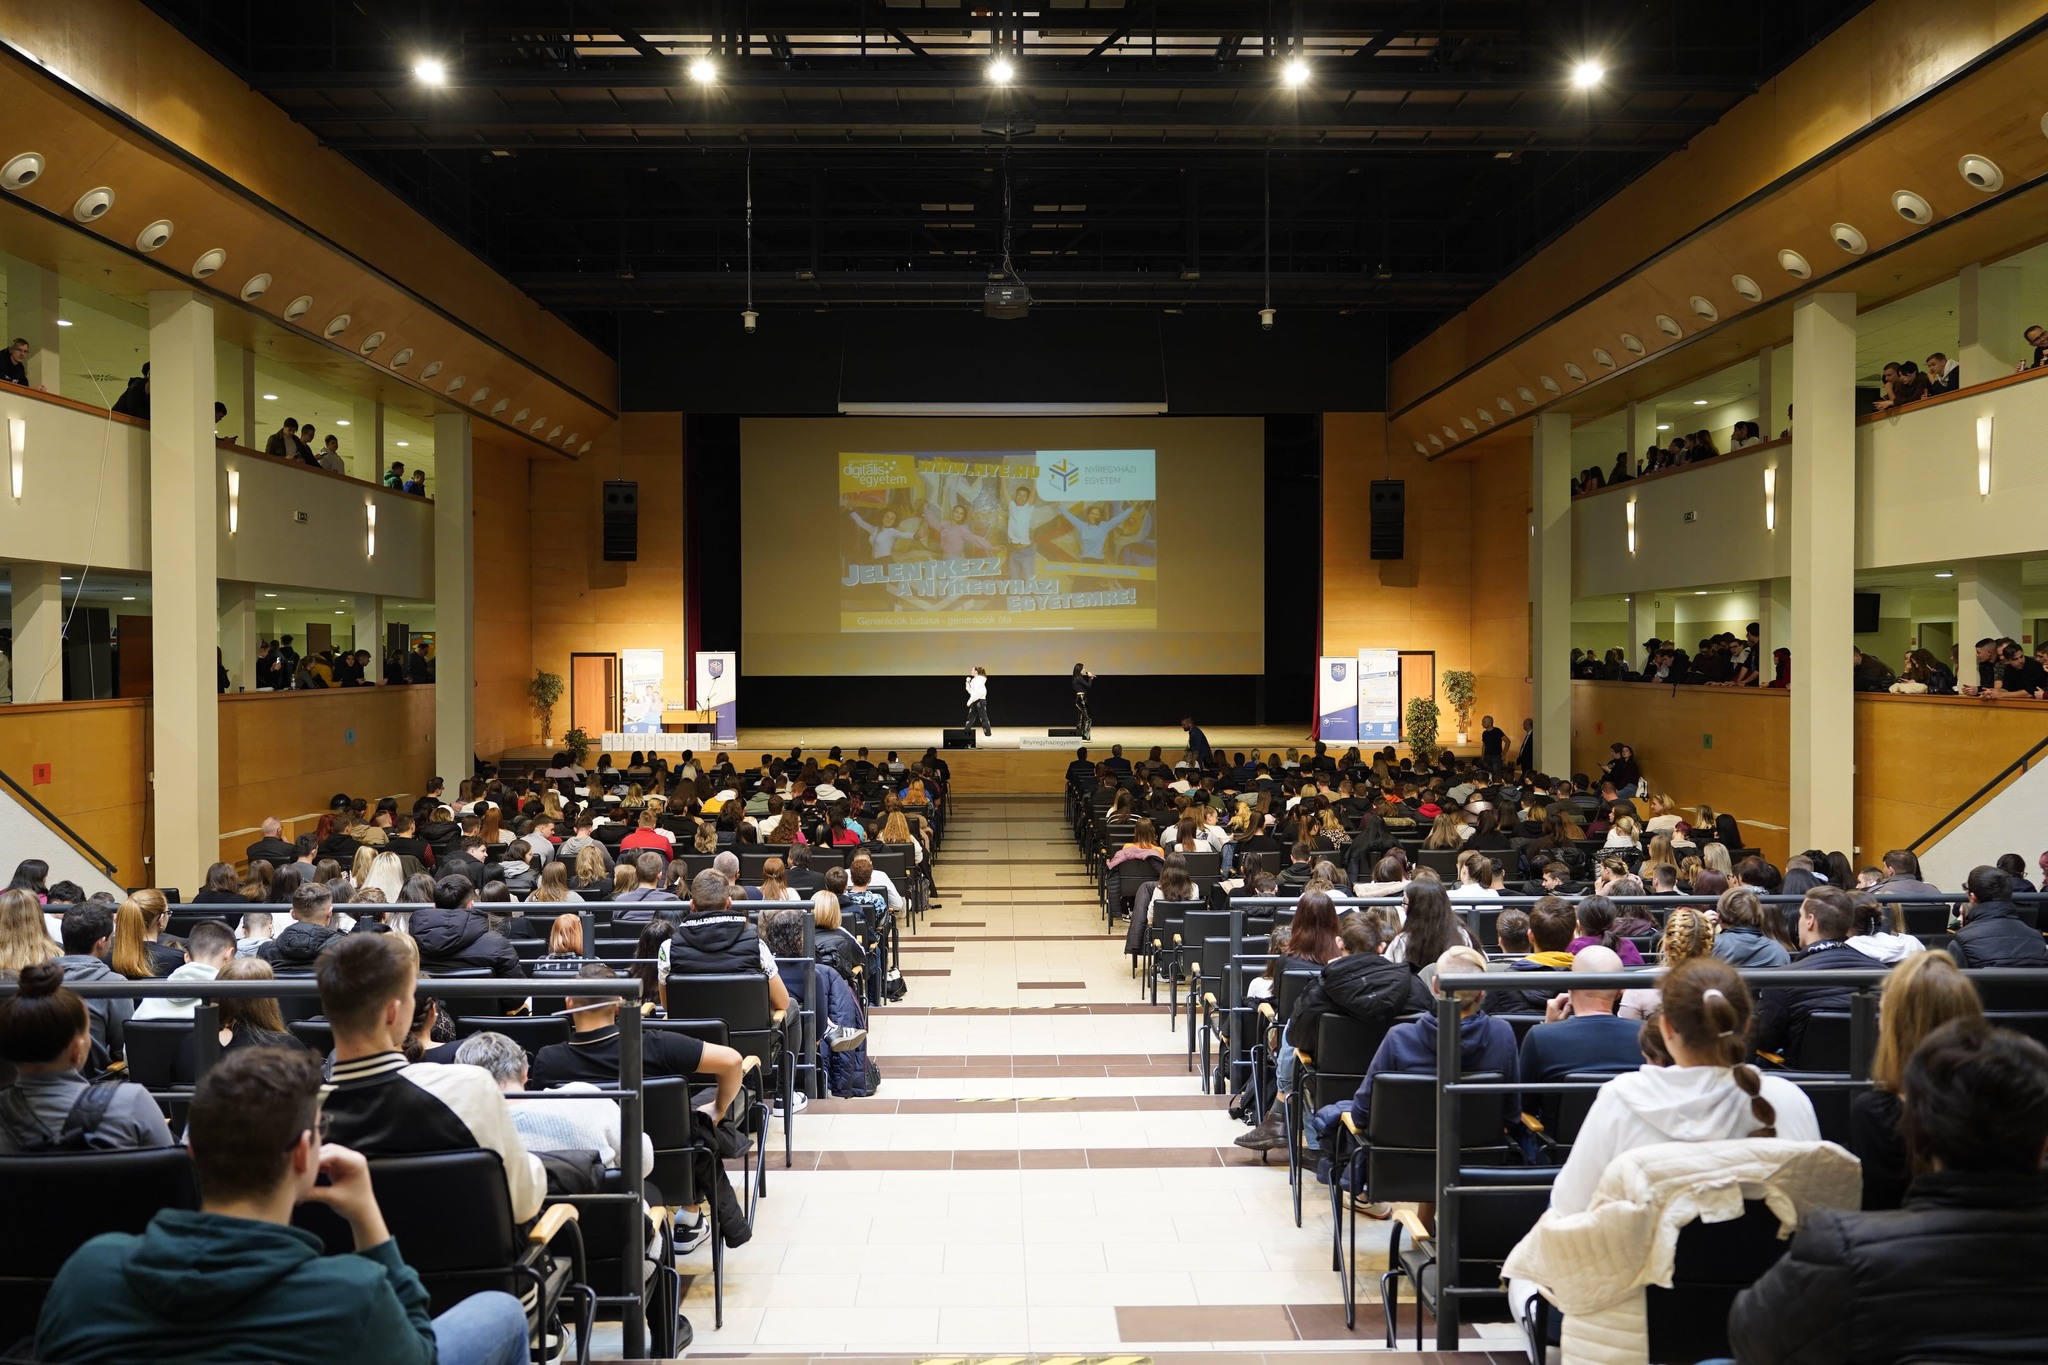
<point>1270,1134</point>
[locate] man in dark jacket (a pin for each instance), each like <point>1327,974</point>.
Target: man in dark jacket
<point>1826,919</point>
<point>453,936</point>
<point>1959,1272</point>
<point>713,939</point>
<point>272,848</point>
<point>311,932</point>
<point>1993,934</point>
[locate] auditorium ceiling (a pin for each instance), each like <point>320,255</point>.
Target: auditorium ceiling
<point>1345,155</point>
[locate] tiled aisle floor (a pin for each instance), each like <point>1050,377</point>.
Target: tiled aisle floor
<point>1039,1171</point>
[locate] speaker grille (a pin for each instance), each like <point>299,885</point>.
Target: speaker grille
<point>1388,502</point>
<point>621,520</point>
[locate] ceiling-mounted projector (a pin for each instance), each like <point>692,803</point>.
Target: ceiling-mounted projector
<point>1008,297</point>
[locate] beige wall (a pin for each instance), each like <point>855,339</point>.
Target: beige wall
<point>1727,542</point>
<point>1916,479</point>
<point>1462,590</point>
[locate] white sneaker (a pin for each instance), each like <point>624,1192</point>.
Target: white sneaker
<point>691,1233</point>
<point>803,1102</point>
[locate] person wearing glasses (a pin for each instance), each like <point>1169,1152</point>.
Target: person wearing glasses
<point>235,1280</point>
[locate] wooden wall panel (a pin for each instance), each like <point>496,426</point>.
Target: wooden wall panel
<point>286,753</point>
<point>505,581</point>
<point>1917,758</point>
<point>1746,772</point>
<point>580,602</point>
<point>98,757</point>
<point>1500,590</point>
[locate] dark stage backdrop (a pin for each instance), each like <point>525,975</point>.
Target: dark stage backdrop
<point>721,540</point>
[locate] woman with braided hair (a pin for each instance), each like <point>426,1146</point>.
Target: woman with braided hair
<point>1688,934</point>
<point>1710,1094</point>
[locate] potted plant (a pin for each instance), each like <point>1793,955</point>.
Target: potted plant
<point>1421,735</point>
<point>545,690</point>
<point>577,742</point>
<point>1461,687</point>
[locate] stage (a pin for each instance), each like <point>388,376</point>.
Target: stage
<point>998,763</point>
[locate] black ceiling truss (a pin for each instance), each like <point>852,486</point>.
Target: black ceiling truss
<point>1434,146</point>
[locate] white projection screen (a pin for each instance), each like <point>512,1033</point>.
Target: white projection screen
<point>924,546</point>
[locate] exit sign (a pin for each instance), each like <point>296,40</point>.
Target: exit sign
<point>1706,741</point>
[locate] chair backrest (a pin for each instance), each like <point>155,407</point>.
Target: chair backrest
<point>531,1032</point>
<point>1343,1048</point>
<point>153,1049</point>
<point>669,1126</point>
<point>1201,864</point>
<point>1714,1263</point>
<point>316,1034</point>
<point>451,1212</point>
<point>738,998</point>
<point>181,921</point>
<point>1482,921</point>
<point>1203,931</point>
<point>1489,1225</point>
<point>1824,1046</point>
<point>1134,874</point>
<point>1294,978</point>
<point>69,1198</point>
<point>753,859</point>
<point>2033,1023</point>
<point>1442,861</point>
<point>1401,1135</point>
<point>614,949</point>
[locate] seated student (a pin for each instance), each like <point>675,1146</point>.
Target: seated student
<point>87,930</point>
<point>299,944</point>
<point>1826,919</point>
<point>845,1034</point>
<point>1484,1044</point>
<point>1581,1034</point>
<point>235,1281</point>
<point>1551,926</point>
<point>1958,1272</point>
<point>1596,918</point>
<point>245,1021</point>
<point>1993,934</point>
<point>1920,995</point>
<point>1744,932</point>
<point>46,1033</point>
<point>382,1106</point>
<point>453,935</point>
<point>209,947</point>
<point>714,939</point>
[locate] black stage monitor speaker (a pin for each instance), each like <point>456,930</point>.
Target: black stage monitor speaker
<point>621,520</point>
<point>1389,518</point>
<point>959,739</point>
<point>1064,732</point>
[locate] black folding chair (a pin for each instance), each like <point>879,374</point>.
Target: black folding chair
<point>153,1050</point>
<point>740,999</point>
<point>1490,1220</point>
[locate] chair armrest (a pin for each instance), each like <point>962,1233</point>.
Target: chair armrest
<point>1303,1058</point>
<point>1531,1122</point>
<point>1411,1220</point>
<point>1775,1059</point>
<point>1266,1010</point>
<point>1209,999</point>
<point>1350,1119</point>
<point>549,1225</point>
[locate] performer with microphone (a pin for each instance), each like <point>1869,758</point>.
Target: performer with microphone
<point>977,700</point>
<point>1082,681</point>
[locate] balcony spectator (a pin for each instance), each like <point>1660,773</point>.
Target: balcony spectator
<point>1744,436</point>
<point>1943,376</point>
<point>329,457</point>
<point>134,400</point>
<point>1871,674</point>
<point>394,477</point>
<point>14,363</point>
<point>416,483</point>
<point>1925,674</point>
<point>419,665</point>
<point>308,452</point>
<point>2037,337</point>
<point>2020,679</point>
<point>284,442</point>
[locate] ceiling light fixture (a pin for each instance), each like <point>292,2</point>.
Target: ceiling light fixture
<point>1267,313</point>
<point>704,71</point>
<point>1001,72</point>
<point>430,71</point>
<point>270,398</point>
<point>403,444</point>
<point>1939,574</point>
<point>63,322</point>
<point>1699,402</point>
<point>1295,73</point>
<point>750,320</point>
<point>1588,74</point>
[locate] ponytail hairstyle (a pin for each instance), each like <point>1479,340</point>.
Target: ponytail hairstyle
<point>143,912</point>
<point>1597,915</point>
<point>1687,934</point>
<point>42,1019</point>
<point>1709,1009</point>
<point>1875,917</point>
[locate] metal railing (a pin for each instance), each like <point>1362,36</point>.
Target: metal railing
<point>630,1091</point>
<point>49,818</point>
<point>2017,766</point>
<point>1451,1089</point>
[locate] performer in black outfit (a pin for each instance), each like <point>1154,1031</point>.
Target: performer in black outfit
<point>1082,681</point>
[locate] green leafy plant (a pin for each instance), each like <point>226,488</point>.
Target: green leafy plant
<point>1421,715</point>
<point>578,743</point>
<point>1463,689</point>
<point>545,690</point>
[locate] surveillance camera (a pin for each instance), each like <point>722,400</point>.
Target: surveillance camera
<point>1266,316</point>
<point>749,320</point>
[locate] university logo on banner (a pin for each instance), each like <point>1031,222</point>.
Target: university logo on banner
<point>716,667</point>
<point>1337,671</point>
<point>1095,476</point>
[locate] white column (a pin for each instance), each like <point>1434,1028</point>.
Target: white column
<point>184,515</point>
<point>32,313</point>
<point>1642,624</point>
<point>38,598</point>
<point>1988,322</point>
<point>454,600</point>
<point>252,428</point>
<point>1766,394</point>
<point>363,450</point>
<point>370,635</point>
<point>1550,589</point>
<point>238,634</point>
<point>1987,605</point>
<point>1823,524</point>
<point>1639,426</point>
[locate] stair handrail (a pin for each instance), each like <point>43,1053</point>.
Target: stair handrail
<point>71,836</point>
<point>2018,765</point>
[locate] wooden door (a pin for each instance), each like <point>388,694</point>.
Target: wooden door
<point>135,661</point>
<point>594,693</point>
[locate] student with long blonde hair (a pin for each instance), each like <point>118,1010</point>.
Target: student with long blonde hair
<point>136,952</point>
<point>1921,994</point>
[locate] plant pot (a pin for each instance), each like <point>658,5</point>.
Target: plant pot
<point>1462,738</point>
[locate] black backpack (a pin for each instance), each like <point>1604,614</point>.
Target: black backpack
<point>80,1132</point>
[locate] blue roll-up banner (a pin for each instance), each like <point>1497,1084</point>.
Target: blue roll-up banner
<point>1379,696</point>
<point>1337,700</point>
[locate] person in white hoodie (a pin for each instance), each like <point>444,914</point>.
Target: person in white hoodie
<point>1881,932</point>
<point>1708,1094</point>
<point>209,947</point>
<point>977,700</point>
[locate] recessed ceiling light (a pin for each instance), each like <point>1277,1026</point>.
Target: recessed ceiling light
<point>153,236</point>
<point>1700,593</point>
<point>1699,402</point>
<point>63,322</point>
<point>1668,325</point>
<point>341,421</point>
<point>403,444</point>
<point>1571,368</point>
<point>270,594</point>
<point>22,171</point>
<point>1548,383</point>
<point>1849,239</point>
<point>342,613</point>
<point>63,578</point>
<point>1794,264</point>
<point>337,324</point>
<point>583,449</point>
<point>1944,575</point>
<point>270,398</point>
<point>430,71</point>
<point>1295,73</point>
<point>93,205</point>
<point>1605,358</point>
<point>402,359</point>
<point>371,342</point>
<point>209,262</point>
<point>1705,309</point>
<point>1587,74</point>
<point>1000,72</point>
<point>1450,435</point>
<point>1663,426</point>
<point>521,415</point>
<point>1632,343</point>
<point>127,599</point>
<point>1420,448</point>
<point>296,309</point>
<point>1437,441</point>
<point>1525,395</point>
<point>457,382</point>
<point>1746,287</point>
<point>256,287</point>
<point>1978,172</point>
<point>704,71</point>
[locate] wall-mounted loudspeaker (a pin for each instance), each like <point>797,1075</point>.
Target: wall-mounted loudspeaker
<point>621,520</point>
<point>1389,503</point>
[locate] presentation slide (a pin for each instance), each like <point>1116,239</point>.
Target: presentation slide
<point>998,540</point>
<point>933,545</point>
